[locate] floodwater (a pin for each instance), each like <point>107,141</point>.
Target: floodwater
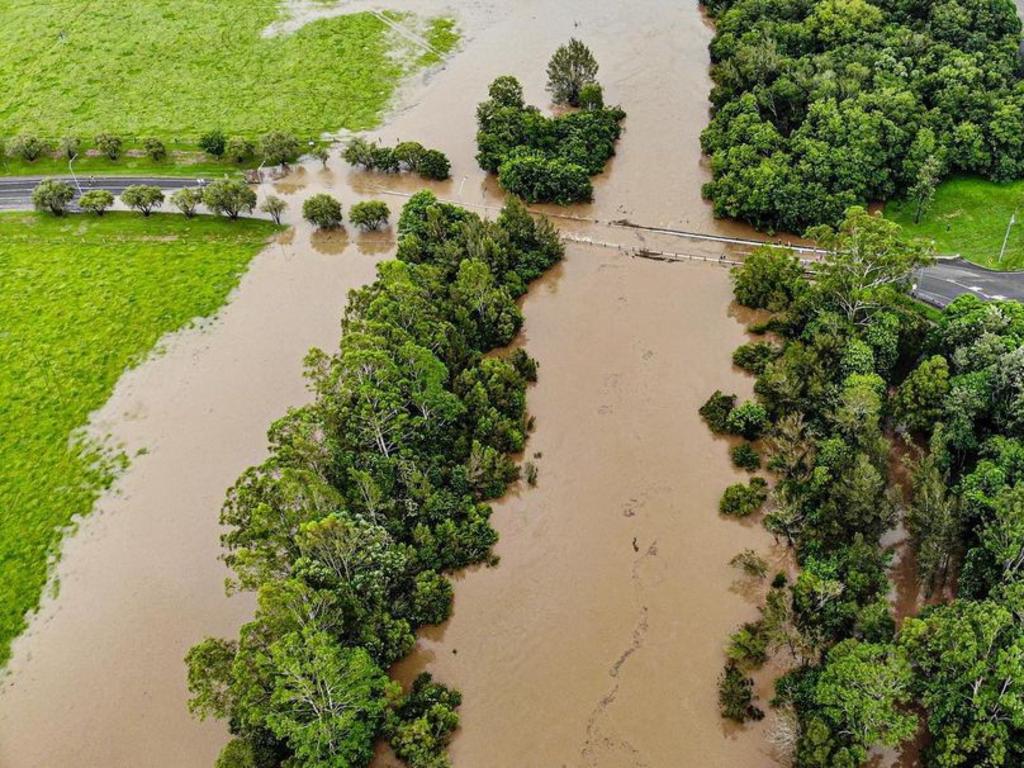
<point>597,640</point>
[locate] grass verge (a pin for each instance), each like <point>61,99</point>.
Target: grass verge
<point>81,300</point>
<point>969,217</point>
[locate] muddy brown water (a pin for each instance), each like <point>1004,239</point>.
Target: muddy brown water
<point>597,640</point>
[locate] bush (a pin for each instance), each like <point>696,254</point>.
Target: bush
<point>770,278</point>
<point>408,154</point>
<point>747,420</point>
<point>537,179</point>
<point>69,147</point>
<point>27,148</point>
<point>571,68</point>
<point>359,152</point>
<point>110,145</point>
<point>751,563</point>
<point>370,214</point>
<point>275,206</point>
<point>754,356</point>
<point>748,645</point>
<point>229,197</point>
<point>143,198</point>
<point>384,160</point>
<point>278,148</point>
<point>213,143</point>
<point>53,196</point>
<point>322,210</point>
<point>592,96</point>
<point>155,149</point>
<point>716,410</point>
<point>434,164</point>
<point>741,500</point>
<point>96,201</point>
<point>736,695</point>
<point>187,200</point>
<point>745,456</point>
<point>239,150</point>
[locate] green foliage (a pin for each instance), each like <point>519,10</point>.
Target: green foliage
<point>745,456</point>
<point>741,500</point>
<point>750,563</point>
<point>213,143</point>
<point>918,404</point>
<point>407,156</point>
<point>736,695</point>
<point>754,356</point>
<point>322,210</point>
<point>187,200</point>
<point>27,148</point>
<point>155,149</point>
<point>434,164</point>
<point>110,145</point>
<point>229,197</point>
<point>278,148</point>
<point>716,410</point>
<point>96,201</point>
<point>69,147</point>
<point>275,206</point>
<point>144,198</point>
<point>369,214</point>
<point>522,145</point>
<point>52,195</point>
<point>239,150</point>
<point>375,490</point>
<point>179,69</point>
<point>571,68</point>
<point>824,104</point>
<point>770,278</point>
<point>113,286</point>
<point>592,96</point>
<point>748,419</point>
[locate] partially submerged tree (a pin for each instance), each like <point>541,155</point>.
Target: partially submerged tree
<point>571,68</point>
<point>369,214</point>
<point>274,206</point>
<point>322,210</point>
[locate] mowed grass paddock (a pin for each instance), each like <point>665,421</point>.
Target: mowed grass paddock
<point>176,69</point>
<point>81,299</point>
<point>969,217</point>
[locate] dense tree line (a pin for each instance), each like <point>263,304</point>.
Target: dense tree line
<point>823,104</point>
<point>371,494</point>
<point>549,159</point>
<point>853,368</point>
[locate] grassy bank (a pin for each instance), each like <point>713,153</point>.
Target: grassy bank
<point>81,299</point>
<point>178,68</point>
<point>969,216</point>
<point>178,163</point>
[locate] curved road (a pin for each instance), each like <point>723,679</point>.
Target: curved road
<point>938,285</point>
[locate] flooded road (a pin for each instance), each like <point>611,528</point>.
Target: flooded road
<point>597,641</point>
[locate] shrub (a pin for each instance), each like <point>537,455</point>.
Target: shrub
<point>571,68</point>
<point>275,206</point>
<point>506,91</point>
<point>716,410</point>
<point>321,153</point>
<point>27,148</point>
<point>212,143</point>
<point>143,198</point>
<point>278,148</point>
<point>155,149</point>
<point>754,356</point>
<point>592,96</point>
<point>187,200</point>
<point>370,214</point>
<point>408,154</point>
<point>322,210</point>
<point>434,164</point>
<point>110,145</point>
<point>770,278</point>
<point>52,195</point>
<point>745,456</point>
<point>538,179</point>
<point>69,147</point>
<point>741,500</point>
<point>229,197</point>
<point>779,580</point>
<point>747,420</point>
<point>750,563</point>
<point>748,646</point>
<point>383,159</point>
<point>736,695</point>
<point>96,201</point>
<point>359,152</point>
<point>239,150</point>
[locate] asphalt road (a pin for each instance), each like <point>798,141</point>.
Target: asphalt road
<point>947,279</point>
<point>16,191</point>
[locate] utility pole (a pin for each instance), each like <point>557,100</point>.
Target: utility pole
<point>1006,238</point>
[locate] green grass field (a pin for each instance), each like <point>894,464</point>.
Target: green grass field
<point>81,299</point>
<point>177,163</point>
<point>178,68</point>
<point>969,216</point>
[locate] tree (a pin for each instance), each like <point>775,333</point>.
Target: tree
<point>572,67</point>
<point>229,197</point>
<point>53,196</point>
<point>433,164</point>
<point>920,400</point>
<point>96,201</point>
<point>321,153</point>
<point>769,278</point>
<point>187,200</point>
<point>867,259</point>
<point>322,210</point>
<point>923,191</point>
<point>537,179</point>
<point>155,149</point>
<point>212,142</point>
<point>592,96</point>
<point>278,148</point>
<point>741,500</point>
<point>736,695</point>
<point>27,148</point>
<point>69,147</point>
<point>143,198</point>
<point>369,214</point>
<point>934,522</point>
<point>359,152</point>
<point>748,419</point>
<point>239,150</point>
<point>275,206</point>
<point>408,154</point>
<point>110,145</point>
